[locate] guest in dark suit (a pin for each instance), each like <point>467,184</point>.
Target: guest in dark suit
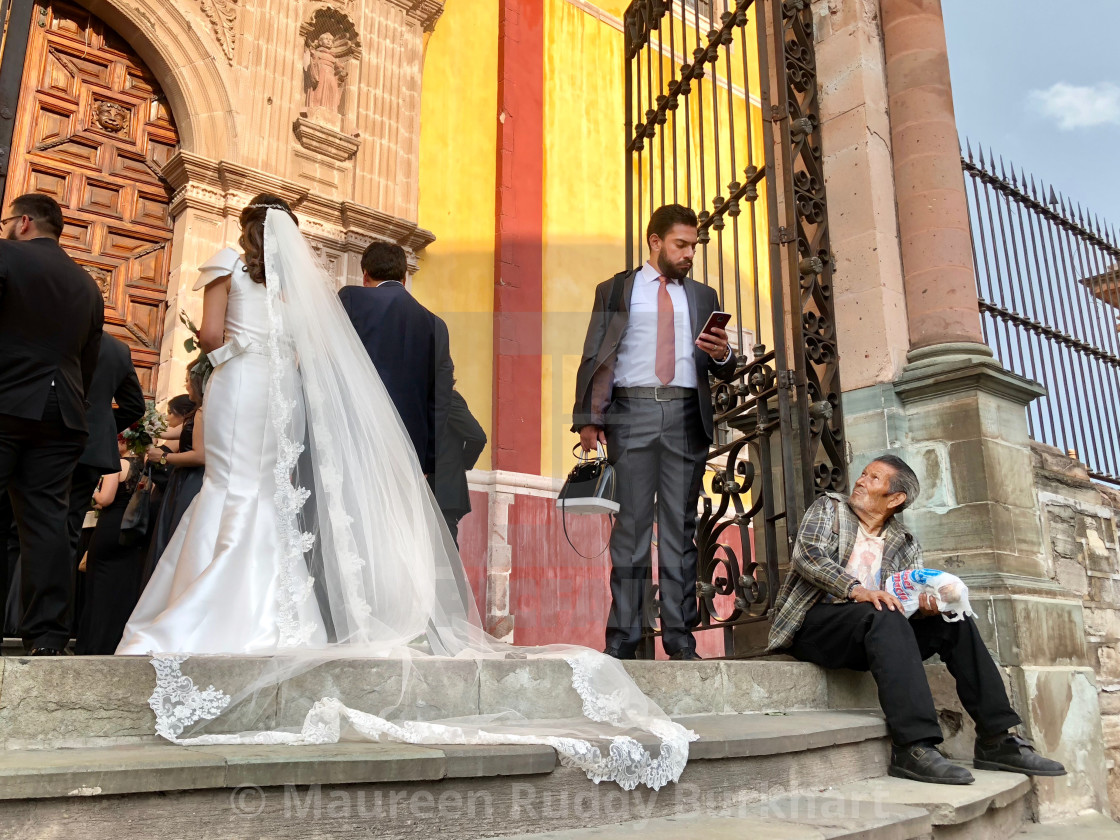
<point>456,452</point>
<point>642,390</point>
<point>409,346</point>
<point>51,315</point>
<point>114,379</point>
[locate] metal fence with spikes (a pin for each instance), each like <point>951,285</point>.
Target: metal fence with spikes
<point>1048,280</point>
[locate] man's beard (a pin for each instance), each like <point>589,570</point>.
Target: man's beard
<point>11,234</point>
<point>669,270</point>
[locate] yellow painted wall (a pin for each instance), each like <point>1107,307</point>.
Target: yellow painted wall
<point>585,191</point>
<point>584,202</point>
<point>458,153</point>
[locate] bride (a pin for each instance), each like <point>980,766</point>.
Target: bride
<point>315,538</point>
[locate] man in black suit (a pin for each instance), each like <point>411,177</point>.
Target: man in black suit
<point>409,346</point>
<point>51,315</point>
<point>456,452</point>
<point>642,389</point>
<point>114,379</point>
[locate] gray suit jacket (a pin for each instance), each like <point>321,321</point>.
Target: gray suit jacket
<point>595,379</point>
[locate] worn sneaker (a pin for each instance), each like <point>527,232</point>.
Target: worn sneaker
<point>1015,755</point>
<point>925,763</point>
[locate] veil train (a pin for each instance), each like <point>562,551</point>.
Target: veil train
<point>356,510</point>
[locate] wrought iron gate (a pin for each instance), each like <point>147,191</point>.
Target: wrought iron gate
<point>721,115</point>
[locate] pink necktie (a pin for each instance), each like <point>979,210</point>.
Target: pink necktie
<point>666,364</point>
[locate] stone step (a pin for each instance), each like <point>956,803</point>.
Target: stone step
<point>99,701</point>
<point>993,807</point>
<point>883,808</point>
<point>794,818</point>
<point>420,793</point>
<point>116,770</point>
<point>1092,826</point>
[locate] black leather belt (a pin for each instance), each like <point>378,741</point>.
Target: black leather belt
<point>661,394</point>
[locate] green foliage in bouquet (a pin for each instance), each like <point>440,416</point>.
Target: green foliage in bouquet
<point>143,433</point>
<point>202,364</point>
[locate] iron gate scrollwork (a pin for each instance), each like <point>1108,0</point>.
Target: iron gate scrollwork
<point>715,122</point>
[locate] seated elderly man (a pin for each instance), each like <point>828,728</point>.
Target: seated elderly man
<point>833,611</point>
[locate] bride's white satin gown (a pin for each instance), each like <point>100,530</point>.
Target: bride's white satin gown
<point>215,588</point>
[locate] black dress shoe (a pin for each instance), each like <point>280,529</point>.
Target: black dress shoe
<point>1015,755</point>
<point>925,763</point>
<point>686,656</point>
<point>48,651</point>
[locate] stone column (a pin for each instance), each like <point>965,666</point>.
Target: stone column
<point>929,186</point>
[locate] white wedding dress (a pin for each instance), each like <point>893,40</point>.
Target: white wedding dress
<point>215,589</point>
<point>317,544</point>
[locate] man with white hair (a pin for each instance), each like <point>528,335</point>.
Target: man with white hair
<point>832,610</point>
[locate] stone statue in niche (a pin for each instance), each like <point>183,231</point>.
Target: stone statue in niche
<point>326,76</point>
<point>331,47</point>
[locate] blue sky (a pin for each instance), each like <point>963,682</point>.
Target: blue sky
<point>1039,82</point>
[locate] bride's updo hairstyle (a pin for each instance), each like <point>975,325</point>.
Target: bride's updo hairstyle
<point>252,231</point>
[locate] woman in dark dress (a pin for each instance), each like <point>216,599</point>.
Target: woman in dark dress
<point>186,473</point>
<point>112,584</point>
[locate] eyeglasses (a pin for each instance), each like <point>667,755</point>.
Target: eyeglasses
<point>10,219</point>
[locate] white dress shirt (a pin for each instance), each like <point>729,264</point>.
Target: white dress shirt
<point>637,351</point>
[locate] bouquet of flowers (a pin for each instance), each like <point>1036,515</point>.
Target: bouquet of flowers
<point>202,364</point>
<point>143,433</point>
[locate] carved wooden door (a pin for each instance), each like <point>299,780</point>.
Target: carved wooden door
<point>94,131</point>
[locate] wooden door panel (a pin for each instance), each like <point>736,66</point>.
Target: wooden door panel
<point>102,198</point>
<point>50,181</point>
<point>93,131</point>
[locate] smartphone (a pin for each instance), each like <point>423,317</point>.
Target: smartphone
<point>716,319</point>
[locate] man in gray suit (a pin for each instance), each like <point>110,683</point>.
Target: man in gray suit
<point>642,390</point>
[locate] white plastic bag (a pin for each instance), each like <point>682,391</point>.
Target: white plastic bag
<point>949,591</point>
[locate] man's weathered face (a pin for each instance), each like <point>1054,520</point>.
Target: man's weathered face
<point>872,491</point>
<point>673,255</point>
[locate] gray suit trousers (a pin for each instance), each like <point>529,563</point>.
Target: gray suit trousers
<point>658,449</point>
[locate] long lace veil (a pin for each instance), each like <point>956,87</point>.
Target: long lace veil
<point>356,511</point>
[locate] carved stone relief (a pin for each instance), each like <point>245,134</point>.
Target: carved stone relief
<point>222,15</point>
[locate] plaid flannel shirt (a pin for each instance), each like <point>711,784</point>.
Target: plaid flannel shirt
<point>820,554</point>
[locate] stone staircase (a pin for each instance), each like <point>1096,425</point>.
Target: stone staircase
<point>776,758</point>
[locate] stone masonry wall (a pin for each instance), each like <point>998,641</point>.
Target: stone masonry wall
<point>1079,520</point>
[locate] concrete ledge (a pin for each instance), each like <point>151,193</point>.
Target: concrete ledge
<point>42,774</point>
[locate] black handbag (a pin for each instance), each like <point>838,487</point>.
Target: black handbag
<point>589,489</point>
<point>138,515</point>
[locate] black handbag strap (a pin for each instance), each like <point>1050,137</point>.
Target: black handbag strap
<point>563,516</point>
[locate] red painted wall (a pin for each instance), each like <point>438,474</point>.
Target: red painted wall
<point>473,544</point>
<point>519,240</point>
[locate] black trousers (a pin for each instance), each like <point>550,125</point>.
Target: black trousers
<point>452,520</point>
<point>658,449</point>
<point>892,648</point>
<point>37,459</point>
<point>82,486</point>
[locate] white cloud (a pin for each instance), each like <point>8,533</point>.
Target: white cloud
<point>1078,106</point>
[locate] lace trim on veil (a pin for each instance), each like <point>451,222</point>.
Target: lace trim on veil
<point>294,589</point>
<point>178,703</point>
